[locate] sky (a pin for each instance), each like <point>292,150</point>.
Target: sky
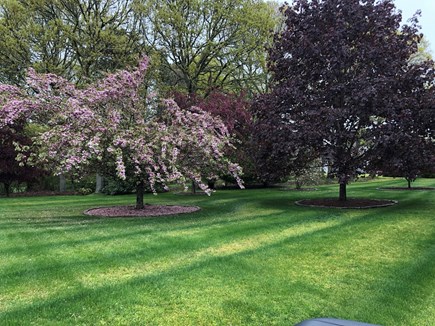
<point>427,19</point>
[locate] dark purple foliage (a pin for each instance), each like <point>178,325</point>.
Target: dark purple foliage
<point>409,147</point>
<point>233,110</point>
<point>10,169</point>
<point>341,75</point>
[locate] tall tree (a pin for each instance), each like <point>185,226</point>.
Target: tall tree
<point>79,40</point>
<point>206,44</point>
<point>336,67</point>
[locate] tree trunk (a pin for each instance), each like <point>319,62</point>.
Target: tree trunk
<point>298,185</point>
<point>193,187</point>
<point>409,183</point>
<point>62,183</point>
<point>99,183</point>
<point>7,189</point>
<point>73,188</point>
<point>140,189</point>
<point>343,195</point>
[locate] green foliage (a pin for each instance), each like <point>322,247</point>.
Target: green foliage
<point>423,54</point>
<point>116,186</point>
<point>206,44</point>
<point>311,174</point>
<point>76,39</point>
<point>85,191</point>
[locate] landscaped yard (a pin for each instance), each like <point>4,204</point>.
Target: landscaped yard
<point>249,257</point>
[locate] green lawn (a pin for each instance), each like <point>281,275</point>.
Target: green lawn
<point>249,257</point>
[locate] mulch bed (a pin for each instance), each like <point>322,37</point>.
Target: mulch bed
<point>357,203</point>
<point>406,188</point>
<point>147,211</point>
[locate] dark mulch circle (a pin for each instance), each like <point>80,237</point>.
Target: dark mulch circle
<point>357,203</point>
<point>147,211</point>
<point>406,188</point>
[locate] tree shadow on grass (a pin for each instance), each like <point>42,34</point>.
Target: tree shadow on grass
<point>155,245</point>
<point>107,295</point>
<point>398,295</point>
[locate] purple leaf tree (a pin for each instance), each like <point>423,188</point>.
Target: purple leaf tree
<point>340,71</point>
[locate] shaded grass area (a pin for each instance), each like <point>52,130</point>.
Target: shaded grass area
<point>248,257</point>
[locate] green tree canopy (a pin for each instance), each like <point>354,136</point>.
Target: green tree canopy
<point>208,44</point>
<point>76,39</point>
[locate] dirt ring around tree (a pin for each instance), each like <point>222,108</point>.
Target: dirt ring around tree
<point>352,203</point>
<point>147,211</point>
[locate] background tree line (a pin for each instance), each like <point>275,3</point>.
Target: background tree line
<point>196,46</point>
<point>321,91</point>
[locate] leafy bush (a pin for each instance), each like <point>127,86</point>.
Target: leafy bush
<point>85,191</point>
<point>114,186</point>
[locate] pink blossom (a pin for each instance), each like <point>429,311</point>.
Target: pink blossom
<point>110,120</point>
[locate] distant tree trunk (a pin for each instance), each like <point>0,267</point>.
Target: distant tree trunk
<point>62,183</point>
<point>193,187</point>
<point>72,183</point>
<point>409,182</point>
<point>7,188</point>
<point>99,183</point>
<point>343,195</point>
<point>298,184</point>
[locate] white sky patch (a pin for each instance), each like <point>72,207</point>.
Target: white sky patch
<point>427,19</point>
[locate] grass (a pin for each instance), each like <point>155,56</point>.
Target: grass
<point>248,257</point>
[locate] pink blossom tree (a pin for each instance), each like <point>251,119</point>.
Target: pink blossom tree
<point>108,126</point>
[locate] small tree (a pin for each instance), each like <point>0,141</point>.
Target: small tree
<point>409,147</point>
<point>408,157</point>
<point>10,169</point>
<point>109,127</point>
<point>336,68</point>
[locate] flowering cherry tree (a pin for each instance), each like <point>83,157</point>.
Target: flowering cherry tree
<point>109,127</point>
